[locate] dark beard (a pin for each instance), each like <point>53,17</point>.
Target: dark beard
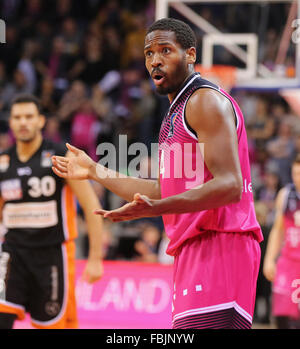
<point>177,83</point>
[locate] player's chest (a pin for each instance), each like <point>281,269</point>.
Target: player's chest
<point>28,181</point>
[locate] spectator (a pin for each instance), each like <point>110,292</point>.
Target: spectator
<point>267,194</point>
<point>145,114</point>
<point>147,246</point>
<point>133,47</point>
<point>56,65</point>
<point>18,85</point>
<point>52,129</point>
<point>281,150</point>
<point>112,44</point>
<point>85,127</point>
<point>262,127</point>
<point>26,65</point>
<point>71,35</point>
<point>48,96</point>
<point>93,64</point>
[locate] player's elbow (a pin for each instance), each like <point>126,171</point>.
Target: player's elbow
<point>232,188</point>
<point>236,189</point>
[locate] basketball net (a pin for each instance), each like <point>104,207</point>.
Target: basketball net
<point>221,75</point>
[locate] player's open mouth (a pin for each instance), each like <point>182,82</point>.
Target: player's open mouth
<point>158,79</point>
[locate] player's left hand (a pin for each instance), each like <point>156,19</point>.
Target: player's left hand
<point>93,270</point>
<point>140,207</point>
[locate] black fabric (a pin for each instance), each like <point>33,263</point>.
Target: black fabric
<point>34,279</point>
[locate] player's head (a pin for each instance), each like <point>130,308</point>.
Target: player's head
<point>170,54</point>
<point>296,171</point>
<point>26,120</point>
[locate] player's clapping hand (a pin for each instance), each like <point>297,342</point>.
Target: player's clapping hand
<point>75,165</point>
<point>140,207</point>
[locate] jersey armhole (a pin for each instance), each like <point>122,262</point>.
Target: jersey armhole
<point>186,125</point>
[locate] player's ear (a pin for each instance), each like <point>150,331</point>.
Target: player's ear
<point>42,121</point>
<point>191,55</point>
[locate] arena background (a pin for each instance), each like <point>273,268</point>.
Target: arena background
<point>84,60</point>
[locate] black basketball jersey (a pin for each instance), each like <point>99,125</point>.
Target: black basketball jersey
<point>39,207</point>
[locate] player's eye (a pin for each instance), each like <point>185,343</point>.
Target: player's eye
<point>166,50</point>
<point>148,54</point>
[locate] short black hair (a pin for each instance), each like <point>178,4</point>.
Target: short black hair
<point>26,98</point>
<point>183,32</point>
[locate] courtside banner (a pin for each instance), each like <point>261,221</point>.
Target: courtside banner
<point>129,296</point>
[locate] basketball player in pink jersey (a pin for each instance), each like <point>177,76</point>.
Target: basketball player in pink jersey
<point>209,212</point>
<point>282,259</point>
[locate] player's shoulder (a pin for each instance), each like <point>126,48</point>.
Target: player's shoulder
<point>282,196</point>
<point>206,97</point>
<point>207,107</point>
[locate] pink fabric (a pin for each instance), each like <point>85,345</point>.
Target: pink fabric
<point>176,177</point>
<point>291,221</point>
<point>286,288</point>
<point>216,271</point>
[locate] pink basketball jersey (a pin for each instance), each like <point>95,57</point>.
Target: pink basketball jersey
<point>182,168</point>
<point>291,221</point>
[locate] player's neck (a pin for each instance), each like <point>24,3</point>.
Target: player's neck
<point>172,96</point>
<point>25,150</point>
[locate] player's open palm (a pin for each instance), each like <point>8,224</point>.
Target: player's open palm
<point>75,165</point>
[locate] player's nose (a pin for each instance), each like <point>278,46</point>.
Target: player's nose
<point>156,60</point>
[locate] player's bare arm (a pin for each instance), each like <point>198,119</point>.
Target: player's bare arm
<point>211,116</point>
<point>81,166</point>
<point>89,202</point>
<point>276,238</point>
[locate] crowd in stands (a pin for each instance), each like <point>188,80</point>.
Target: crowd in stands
<point>84,60</point>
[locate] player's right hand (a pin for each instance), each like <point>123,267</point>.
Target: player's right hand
<point>75,165</point>
<point>269,269</point>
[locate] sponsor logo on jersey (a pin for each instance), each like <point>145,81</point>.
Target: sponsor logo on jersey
<point>24,171</point>
<point>46,158</point>
<point>172,123</point>
<point>30,215</point>
<point>11,190</point>
<point>4,162</point>
<point>52,308</point>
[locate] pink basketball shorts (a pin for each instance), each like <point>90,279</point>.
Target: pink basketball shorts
<point>215,277</point>
<point>286,286</point>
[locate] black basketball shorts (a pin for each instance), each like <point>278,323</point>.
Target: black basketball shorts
<point>39,281</point>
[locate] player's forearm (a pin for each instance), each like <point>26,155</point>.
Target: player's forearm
<point>94,229</point>
<point>274,244</point>
<point>122,185</point>
<point>213,194</point>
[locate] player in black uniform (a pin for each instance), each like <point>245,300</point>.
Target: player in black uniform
<point>37,270</point>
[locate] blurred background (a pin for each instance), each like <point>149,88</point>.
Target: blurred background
<point>84,60</point>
